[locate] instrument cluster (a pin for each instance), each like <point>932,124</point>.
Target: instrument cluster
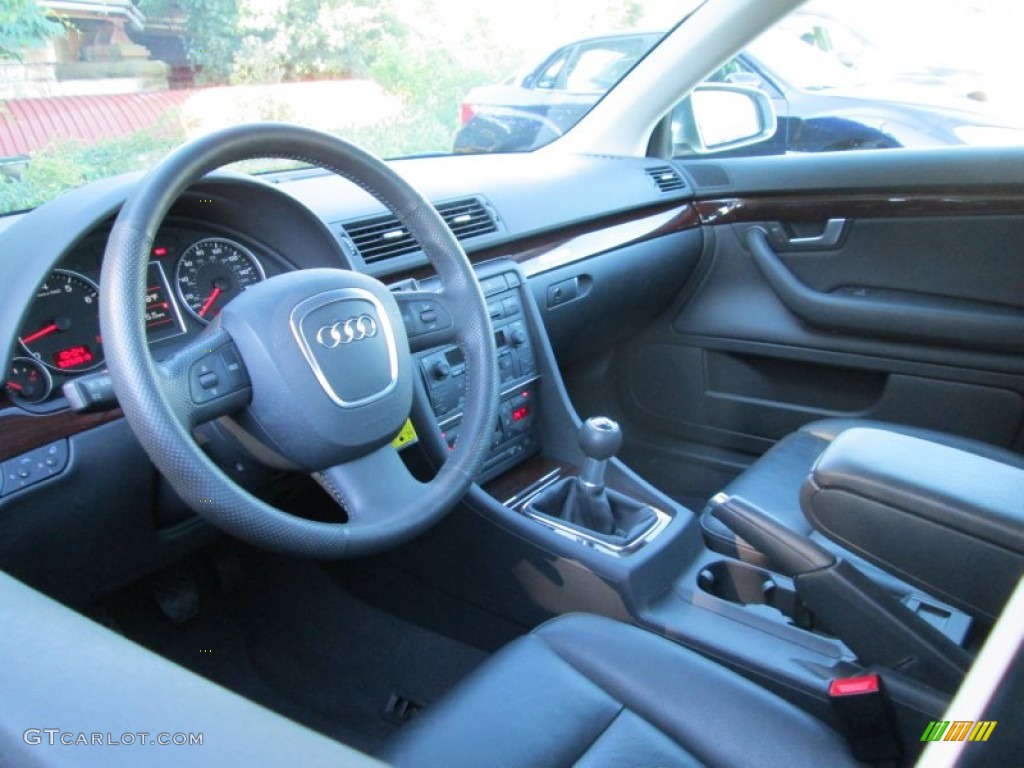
<point>192,274</point>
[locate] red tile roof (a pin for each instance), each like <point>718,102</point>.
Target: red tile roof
<point>27,125</point>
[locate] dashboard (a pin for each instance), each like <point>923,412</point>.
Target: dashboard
<point>230,231</point>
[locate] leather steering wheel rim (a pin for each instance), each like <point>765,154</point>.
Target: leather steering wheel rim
<point>383,511</point>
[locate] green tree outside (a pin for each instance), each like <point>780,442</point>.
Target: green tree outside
<point>427,66</point>
<point>23,24</point>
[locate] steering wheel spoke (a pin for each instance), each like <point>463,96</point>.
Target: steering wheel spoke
<point>376,491</point>
<point>428,318</point>
<point>205,380</point>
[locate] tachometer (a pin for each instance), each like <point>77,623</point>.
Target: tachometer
<point>212,272</point>
<point>62,329</point>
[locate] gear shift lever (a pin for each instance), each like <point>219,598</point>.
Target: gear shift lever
<point>600,439</point>
<point>584,502</point>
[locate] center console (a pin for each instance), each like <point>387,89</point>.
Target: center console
<point>549,468</point>
<point>556,523</point>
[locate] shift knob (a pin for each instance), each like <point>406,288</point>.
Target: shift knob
<point>600,439</point>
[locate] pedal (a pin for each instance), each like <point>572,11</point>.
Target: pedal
<point>400,709</point>
<point>230,572</point>
<point>177,595</point>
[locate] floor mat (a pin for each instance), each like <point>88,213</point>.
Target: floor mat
<point>294,641</point>
<point>382,581</point>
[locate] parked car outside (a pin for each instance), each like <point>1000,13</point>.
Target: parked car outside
<point>824,103</point>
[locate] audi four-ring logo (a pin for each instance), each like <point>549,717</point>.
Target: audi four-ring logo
<point>346,331</point>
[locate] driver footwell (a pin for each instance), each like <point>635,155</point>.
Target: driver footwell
<point>285,634</point>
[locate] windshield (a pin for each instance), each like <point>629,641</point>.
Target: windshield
<point>95,89</point>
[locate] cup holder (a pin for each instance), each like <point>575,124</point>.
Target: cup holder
<point>737,582</point>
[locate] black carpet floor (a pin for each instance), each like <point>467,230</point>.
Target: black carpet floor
<point>293,639</point>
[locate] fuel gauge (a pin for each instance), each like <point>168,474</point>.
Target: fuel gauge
<point>27,381</point>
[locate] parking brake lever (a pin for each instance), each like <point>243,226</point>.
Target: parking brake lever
<point>787,551</point>
<point>876,626</point>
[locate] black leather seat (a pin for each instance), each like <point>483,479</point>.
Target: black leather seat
<point>588,691</point>
<point>773,482</point>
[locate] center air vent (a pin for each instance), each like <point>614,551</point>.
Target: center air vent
<point>667,179</point>
<point>384,237</point>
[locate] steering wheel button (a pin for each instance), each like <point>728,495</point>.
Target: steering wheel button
<point>230,359</point>
<point>208,380</point>
<point>231,370</point>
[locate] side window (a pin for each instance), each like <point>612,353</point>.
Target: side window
<point>844,78</point>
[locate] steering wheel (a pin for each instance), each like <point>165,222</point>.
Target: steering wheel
<point>312,368</point>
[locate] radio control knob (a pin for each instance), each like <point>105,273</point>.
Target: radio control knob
<point>518,337</point>
<point>440,370</point>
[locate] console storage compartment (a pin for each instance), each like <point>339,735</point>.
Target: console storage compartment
<point>945,520</point>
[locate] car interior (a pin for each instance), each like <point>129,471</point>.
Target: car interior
<point>592,455</point>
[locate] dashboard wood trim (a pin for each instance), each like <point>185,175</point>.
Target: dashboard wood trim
<point>518,479</point>
<point>819,207</point>
<point>21,432</point>
<point>539,253</point>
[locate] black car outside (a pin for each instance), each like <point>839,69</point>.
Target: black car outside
<point>821,104</point>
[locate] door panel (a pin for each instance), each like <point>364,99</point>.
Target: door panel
<point>911,311</point>
<point>736,303</point>
<point>752,400</point>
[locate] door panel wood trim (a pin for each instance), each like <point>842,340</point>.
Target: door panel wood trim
<point>820,207</point>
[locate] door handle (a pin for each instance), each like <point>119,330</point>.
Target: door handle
<point>829,236</point>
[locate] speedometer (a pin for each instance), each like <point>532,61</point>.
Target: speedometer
<point>62,328</point>
<point>212,272</point>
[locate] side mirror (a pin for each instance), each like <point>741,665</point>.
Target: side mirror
<point>717,117</point>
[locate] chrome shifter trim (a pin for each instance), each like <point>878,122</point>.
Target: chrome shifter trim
<point>525,496</point>
<point>660,522</point>
<point>520,502</point>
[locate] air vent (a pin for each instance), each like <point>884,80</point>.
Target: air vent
<point>467,218</point>
<point>667,179</point>
<point>383,237</point>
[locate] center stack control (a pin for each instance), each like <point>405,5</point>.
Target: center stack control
<point>444,374</point>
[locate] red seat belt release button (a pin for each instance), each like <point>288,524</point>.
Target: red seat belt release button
<point>867,717</point>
